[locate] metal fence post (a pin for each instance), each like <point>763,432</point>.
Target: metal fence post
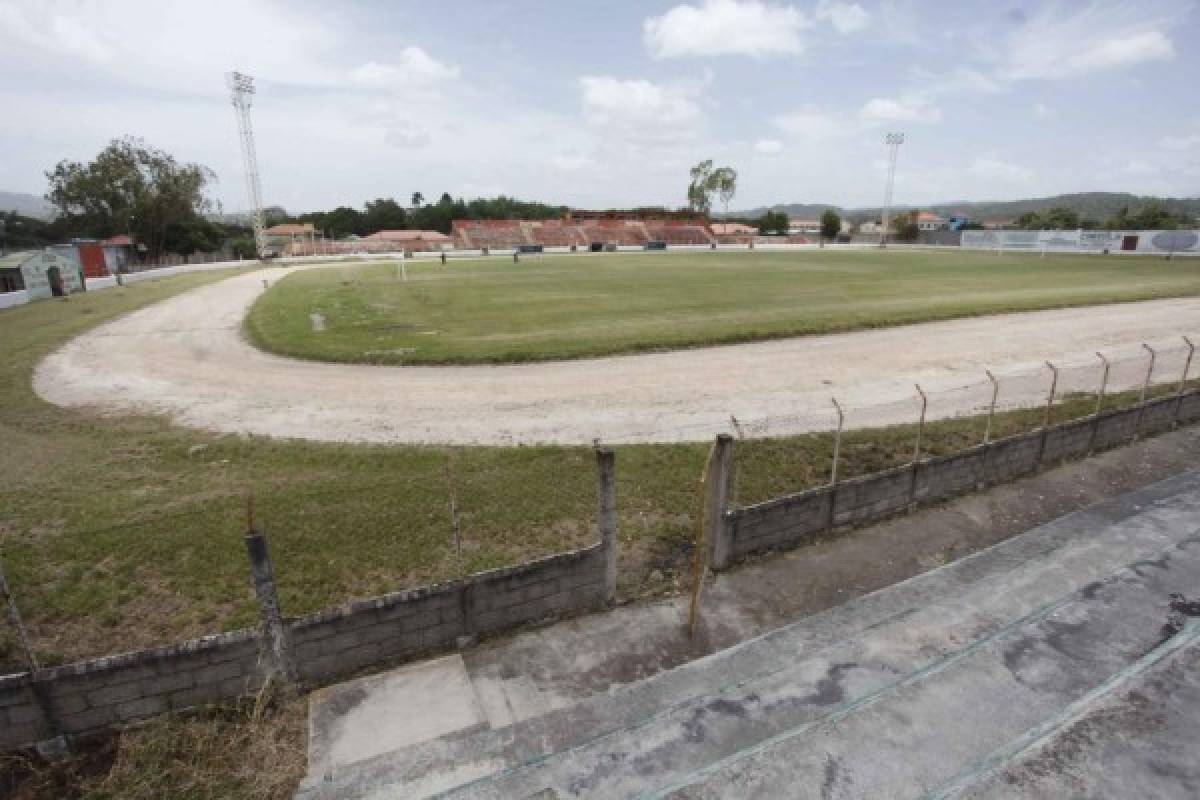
<point>275,638</point>
<point>1187,365</point>
<point>1049,407</point>
<point>606,497</point>
<point>1103,382</point>
<point>1149,372</point>
<point>916,459</point>
<point>987,431</point>
<point>1050,397</point>
<point>1099,403</point>
<point>452,494</point>
<point>920,425</point>
<point>1137,429</point>
<point>837,443</point>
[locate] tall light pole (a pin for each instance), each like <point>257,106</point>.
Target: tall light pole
<point>893,140</point>
<point>242,87</point>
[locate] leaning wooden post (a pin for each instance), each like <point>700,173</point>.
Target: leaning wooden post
<point>14,616</point>
<point>276,647</point>
<point>716,501</point>
<point>606,498</point>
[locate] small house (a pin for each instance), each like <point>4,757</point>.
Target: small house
<point>40,273</point>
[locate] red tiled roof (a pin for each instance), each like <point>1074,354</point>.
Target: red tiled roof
<point>291,229</point>
<point>410,236</point>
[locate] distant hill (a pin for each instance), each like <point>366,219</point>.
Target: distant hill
<point>27,205</point>
<point>1097,205</point>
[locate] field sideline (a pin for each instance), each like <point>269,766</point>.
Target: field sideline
<point>560,307</point>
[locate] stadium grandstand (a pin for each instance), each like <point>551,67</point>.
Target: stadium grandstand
<point>587,229</point>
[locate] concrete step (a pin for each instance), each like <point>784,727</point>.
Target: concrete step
<point>675,725</point>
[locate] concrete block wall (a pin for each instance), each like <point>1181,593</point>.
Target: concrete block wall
<point>779,524</point>
<point>787,522</point>
<point>340,641</point>
<point>103,693</point>
<point>871,497</point>
<point>106,693</point>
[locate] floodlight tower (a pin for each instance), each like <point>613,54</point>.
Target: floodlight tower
<point>893,140</point>
<point>242,87</point>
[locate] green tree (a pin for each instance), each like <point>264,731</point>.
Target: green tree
<point>724,181</point>
<point>130,186</point>
<point>831,224</point>
<point>904,227</point>
<point>773,222</point>
<point>417,199</point>
<point>1030,221</point>
<point>1061,218</point>
<point>707,181</point>
<point>699,194</point>
<point>384,214</point>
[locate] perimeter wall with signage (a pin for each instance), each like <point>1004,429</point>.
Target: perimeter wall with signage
<point>1159,242</point>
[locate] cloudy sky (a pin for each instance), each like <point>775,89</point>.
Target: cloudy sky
<point>608,102</point>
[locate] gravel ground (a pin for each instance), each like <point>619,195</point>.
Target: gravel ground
<point>186,358</point>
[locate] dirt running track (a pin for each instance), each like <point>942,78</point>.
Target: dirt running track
<point>186,358</point>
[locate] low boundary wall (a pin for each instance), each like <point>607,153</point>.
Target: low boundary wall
<point>788,522</point>
<point>101,694</point>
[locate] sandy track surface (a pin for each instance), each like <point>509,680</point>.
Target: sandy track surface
<point>186,358</point>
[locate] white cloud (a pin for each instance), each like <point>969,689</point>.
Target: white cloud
<point>414,66</point>
<point>910,108</point>
<point>993,169</point>
<point>1181,143</point>
<point>1042,111</point>
<point>768,147</point>
<point>572,162</point>
<point>1140,168</point>
<point>407,134</point>
<point>642,111</point>
<point>845,17</point>
<point>725,27</point>
<point>811,123</point>
<point>1089,38</point>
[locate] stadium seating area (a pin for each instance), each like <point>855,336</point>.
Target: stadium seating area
<point>622,232</point>
<point>554,233</point>
<point>494,234</point>
<point>673,233</point>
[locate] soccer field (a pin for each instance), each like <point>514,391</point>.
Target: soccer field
<point>553,307</point>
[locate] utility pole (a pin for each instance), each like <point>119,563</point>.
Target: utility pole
<point>893,140</point>
<point>242,88</point>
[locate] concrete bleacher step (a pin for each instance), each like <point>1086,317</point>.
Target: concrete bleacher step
<point>1031,625</point>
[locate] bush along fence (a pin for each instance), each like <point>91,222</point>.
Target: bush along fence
<point>50,706</point>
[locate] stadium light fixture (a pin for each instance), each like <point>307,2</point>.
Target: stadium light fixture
<point>241,87</point>
<point>893,141</point>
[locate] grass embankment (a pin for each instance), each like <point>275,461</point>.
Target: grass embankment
<point>555,307</point>
<point>121,532</point>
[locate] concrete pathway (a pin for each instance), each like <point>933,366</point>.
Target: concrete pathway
<point>932,687</point>
<point>186,358</point>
